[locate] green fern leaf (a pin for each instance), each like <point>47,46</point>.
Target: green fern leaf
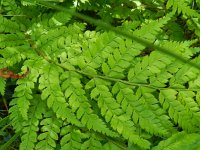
<point>115,115</point>
<point>80,103</point>
<point>71,139</point>
<point>15,116</point>
<point>180,140</point>
<point>90,89</point>
<point>12,56</point>
<point>23,94</point>
<point>187,119</point>
<point>8,25</point>
<point>151,29</point>
<point>181,6</point>
<point>111,145</point>
<point>51,92</point>
<point>59,18</point>
<point>11,7</point>
<point>50,129</point>
<point>144,109</point>
<point>20,104</point>
<point>30,126</point>
<point>92,143</point>
<point>10,40</point>
<point>148,67</point>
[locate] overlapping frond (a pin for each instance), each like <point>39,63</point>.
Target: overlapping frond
<point>71,138</point>
<point>183,111</point>
<point>30,126</point>
<point>93,89</point>
<point>180,140</point>
<point>80,103</point>
<point>143,108</point>
<point>51,92</point>
<point>182,6</point>
<point>118,119</point>
<point>50,129</point>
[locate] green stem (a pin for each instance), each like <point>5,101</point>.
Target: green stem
<point>109,78</point>
<point>122,81</point>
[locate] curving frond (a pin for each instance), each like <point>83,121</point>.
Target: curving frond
<point>93,89</point>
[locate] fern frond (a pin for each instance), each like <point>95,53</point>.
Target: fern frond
<point>181,48</point>
<point>11,56</point>
<point>60,39</point>
<point>91,143</point>
<point>94,53</point>
<point>118,119</point>
<point>11,7</point>
<point>91,89</point>
<point>182,140</point>
<point>118,60</point>
<point>20,104</point>
<point>59,19</point>
<point>181,6</point>
<point>185,75</point>
<point>51,92</point>
<point>15,116</point>
<point>23,95</point>
<point>80,104</point>
<point>11,40</point>
<point>30,126</point>
<point>144,109</point>
<point>151,29</point>
<point>147,67</point>
<point>178,111</point>
<point>72,138</point>
<point>8,25</point>
<point>112,50</point>
<point>50,129</point>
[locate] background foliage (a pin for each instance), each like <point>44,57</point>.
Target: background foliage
<point>90,88</point>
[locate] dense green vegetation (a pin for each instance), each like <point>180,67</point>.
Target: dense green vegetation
<point>106,74</point>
